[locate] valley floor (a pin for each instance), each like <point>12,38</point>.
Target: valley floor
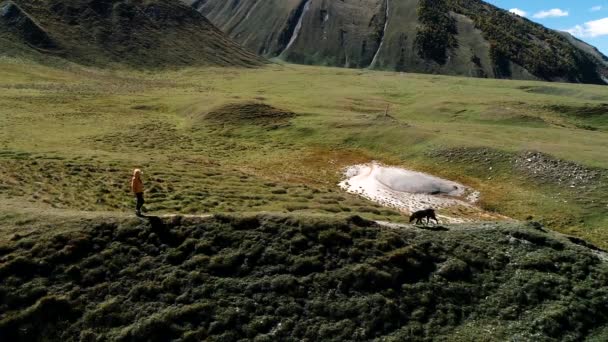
<point>277,139</point>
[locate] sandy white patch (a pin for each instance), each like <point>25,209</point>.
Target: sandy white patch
<point>407,190</point>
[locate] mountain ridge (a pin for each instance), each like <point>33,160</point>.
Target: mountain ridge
<point>109,32</point>
<point>453,37</point>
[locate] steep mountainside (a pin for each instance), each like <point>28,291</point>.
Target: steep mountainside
<point>98,32</point>
<point>455,37</point>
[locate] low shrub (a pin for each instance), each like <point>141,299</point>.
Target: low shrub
<point>271,277</point>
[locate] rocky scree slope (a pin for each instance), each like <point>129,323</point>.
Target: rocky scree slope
<point>274,278</point>
<point>453,37</point>
<point>140,33</point>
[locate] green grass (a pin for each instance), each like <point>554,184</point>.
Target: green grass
<point>70,137</point>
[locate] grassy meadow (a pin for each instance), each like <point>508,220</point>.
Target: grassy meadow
<point>70,136</point>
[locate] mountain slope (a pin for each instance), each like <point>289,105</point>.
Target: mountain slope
<point>455,37</point>
<point>100,32</point>
<point>281,278</point>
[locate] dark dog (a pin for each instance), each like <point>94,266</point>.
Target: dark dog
<point>429,214</point>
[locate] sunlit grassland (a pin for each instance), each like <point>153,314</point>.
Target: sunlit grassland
<point>69,138</point>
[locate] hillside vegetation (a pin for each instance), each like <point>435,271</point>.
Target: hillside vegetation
<point>142,34</point>
<point>548,55</point>
<point>272,278</point>
<point>453,37</point>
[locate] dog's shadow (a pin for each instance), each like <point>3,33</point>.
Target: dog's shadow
<point>433,228</point>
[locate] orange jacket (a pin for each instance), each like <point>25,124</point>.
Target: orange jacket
<point>136,184</point>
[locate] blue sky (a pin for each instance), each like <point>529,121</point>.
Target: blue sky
<point>586,19</point>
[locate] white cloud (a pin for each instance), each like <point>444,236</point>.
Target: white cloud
<point>519,12</point>
<point>596,8</point>
<point>552,13</point>
<point>592,29</point>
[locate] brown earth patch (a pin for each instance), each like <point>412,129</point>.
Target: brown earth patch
<point>253,113</point>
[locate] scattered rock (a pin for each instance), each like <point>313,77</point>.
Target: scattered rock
<point>544,167</point>
<point>537,165</point>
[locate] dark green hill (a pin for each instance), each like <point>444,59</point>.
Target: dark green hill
<point>454,37</point>
<point>138,33</point>
<point>278,278</point>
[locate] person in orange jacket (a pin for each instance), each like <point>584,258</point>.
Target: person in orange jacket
<point>137,186</point>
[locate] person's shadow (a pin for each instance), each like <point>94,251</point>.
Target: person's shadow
<point>162,230</point>
<point>155,221</point>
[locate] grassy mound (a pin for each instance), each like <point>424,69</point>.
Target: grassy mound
<point>582,111</point>
<point>285,278</point>
<point>252,113</point>
<point>592,117</point>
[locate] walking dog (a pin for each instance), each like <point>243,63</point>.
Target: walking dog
<point>429,214</point>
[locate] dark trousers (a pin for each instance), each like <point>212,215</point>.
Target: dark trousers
<point>140,200</point>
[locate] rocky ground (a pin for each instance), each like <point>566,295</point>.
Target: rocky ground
<point>530,164</point>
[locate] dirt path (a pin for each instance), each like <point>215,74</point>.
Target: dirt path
<point>18,208</point>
